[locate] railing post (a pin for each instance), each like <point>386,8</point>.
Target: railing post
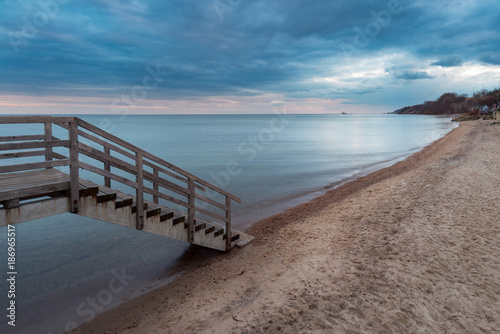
<point>107,168</point>
<point>48,136</point>
<point>191,209</point>
<point>74,165</point>
<point>228,224</point>
<point>139,197</point>
<point>155,186</point>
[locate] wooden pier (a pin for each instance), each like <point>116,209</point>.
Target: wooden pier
<point>175,203</point>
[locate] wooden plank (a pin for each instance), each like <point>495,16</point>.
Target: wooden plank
<point>58,156</point>
<point>117,163</point>
<point>169,173</point>
<point>152,157</point>
<point>165,184</point>
<point>14,179</point>
<point>233,238</point>
<point>178,220</point>
<point>127,154</point>
<point>165,215</point>
<point>198,219</point>
<point>31,174</point>
<point>33,191</point>
<point>121,202</point>
<point>189,175</point>
<point>155,186</point>
<point>228,225</point>
<point>103,157</point>
<point>218,231</point>
<point>107,167</point>
<point>87,190</point>
<point>33,165</point>
<point>134,207</point>
<point>199,226</point>
<point>22,138</point>
<point>112,176</point>
<point>74,168</point>
<point>132,156</point>
<point>34,119</point>
<point>105,197</point>
<point>48,138</point>
<point>33,144</point>
<point>209,229</point>
<point>11,204</point>
<point>139,192</point>
<point>191,210</point>
<point>165,197</point>
<point>211,214</point>
<point>153,212</point>
<point>102,142</point>
<point>211,201</point>
<point>22,154</point>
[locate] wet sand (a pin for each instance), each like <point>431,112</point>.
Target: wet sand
<point>412,248</point>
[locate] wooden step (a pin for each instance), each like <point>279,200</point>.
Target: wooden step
<point>121,202</point>
<point>233,238</point>
<point>199,226</point>
<point>178,220</point>
<point>105,197</point>
<point>134,207</point>
<point>87,191</point>
<point>218,231</point>
<point>165,215</point>
<point>209,229</point>
<point>153,212</point>
<point>84,191</point>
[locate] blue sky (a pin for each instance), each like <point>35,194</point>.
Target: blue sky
<point>242,56</point>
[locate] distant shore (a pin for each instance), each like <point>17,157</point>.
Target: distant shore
<point>412,248</point>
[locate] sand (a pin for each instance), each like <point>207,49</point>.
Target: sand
<point>413,248</point>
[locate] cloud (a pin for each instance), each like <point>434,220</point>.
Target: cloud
<point>100,48</point>
<point>451,61</point>
<point>405,72</point>
<point>491,58</point>
<point>413,75</point>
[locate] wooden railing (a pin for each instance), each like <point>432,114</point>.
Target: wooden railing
<point>190,191</point>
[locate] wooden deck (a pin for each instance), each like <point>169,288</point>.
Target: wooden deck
<point>32,184</point>
<point>175,203</point>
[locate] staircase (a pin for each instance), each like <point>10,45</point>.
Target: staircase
<point>175,203</point>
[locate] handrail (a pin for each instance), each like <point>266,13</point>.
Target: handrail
<point>161,169</point>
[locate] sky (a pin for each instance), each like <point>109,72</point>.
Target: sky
<point>242,56</point>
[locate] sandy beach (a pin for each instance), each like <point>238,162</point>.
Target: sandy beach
<point>413,248</point>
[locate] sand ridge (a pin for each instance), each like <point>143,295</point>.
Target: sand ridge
<point>413,248</point>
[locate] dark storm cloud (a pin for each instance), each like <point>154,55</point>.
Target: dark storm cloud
<point>101,48</point>
<point>451,61</point>
<point>491,58</point>
<point>408,74</point>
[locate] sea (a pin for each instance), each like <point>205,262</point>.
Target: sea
<point>71,268</point>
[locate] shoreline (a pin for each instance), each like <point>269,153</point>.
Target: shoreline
<point>243,222</point>
<point>347,188</point>
<point>282,269</point>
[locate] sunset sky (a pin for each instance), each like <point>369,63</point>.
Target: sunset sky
<point>242,56</point>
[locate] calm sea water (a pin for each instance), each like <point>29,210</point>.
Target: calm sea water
<point>67,263</point>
